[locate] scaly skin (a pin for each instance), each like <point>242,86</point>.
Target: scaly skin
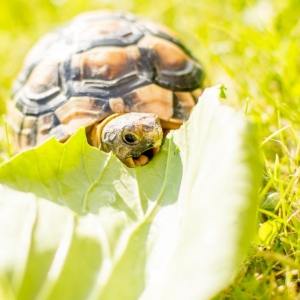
<point>128,136</point>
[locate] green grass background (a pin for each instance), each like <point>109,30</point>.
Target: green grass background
<point>252,47</point>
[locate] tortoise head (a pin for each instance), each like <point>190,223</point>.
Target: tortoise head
<point>133,137</point>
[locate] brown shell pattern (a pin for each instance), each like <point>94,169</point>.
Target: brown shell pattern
<point>98,64</point>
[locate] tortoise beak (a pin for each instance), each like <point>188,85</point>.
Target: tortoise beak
<point>129,162</point>
<point>143,159</point>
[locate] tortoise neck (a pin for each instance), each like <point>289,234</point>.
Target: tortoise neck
<point>94,134</point>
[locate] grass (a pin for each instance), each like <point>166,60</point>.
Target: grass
<point>252,47</point>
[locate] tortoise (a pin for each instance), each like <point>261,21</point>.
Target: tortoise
<point>128,81</point>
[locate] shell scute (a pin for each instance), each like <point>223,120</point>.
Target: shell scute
<point>152,98</point>
<point>106,63</point>
<point>43,82</point>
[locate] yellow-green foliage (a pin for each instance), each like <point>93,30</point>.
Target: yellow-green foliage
<point>252,47</point>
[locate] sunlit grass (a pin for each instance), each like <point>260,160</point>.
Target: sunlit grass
<point>252,47</point>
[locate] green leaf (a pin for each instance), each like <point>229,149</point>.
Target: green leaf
<point>222,91</point>
<point>271,201</point>
<point>268,231</point>
<point>216,207</point>
<point>83,178</point>
<point>176,228</point>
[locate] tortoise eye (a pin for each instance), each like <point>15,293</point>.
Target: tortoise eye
<point>130,139</point>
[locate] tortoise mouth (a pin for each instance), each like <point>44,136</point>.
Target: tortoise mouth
<point>143,159</point>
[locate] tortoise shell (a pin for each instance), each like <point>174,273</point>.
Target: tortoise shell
<point>98,64</point>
